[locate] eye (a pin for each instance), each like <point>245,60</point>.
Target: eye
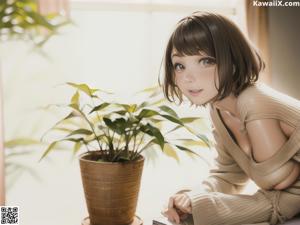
<point>207,61</point>
<point>178,67</point>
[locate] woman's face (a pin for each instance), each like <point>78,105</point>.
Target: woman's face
<point>195,76</point>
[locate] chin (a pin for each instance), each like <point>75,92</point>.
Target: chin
<point>201,103</point>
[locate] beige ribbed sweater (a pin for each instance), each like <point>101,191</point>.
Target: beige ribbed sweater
<point>219,203</point>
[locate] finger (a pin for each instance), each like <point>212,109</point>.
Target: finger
<point>182,205</point>
<point>171,203</point>
<point>179,202</point>
<point>171,214</point>
<point>176,218</point>
<point>164,212</point>
<point>187,206</point>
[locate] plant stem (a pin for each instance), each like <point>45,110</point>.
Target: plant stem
<point>98,117</point>
<point>119,141</point>
<point>92,127</point>
<point>142,138</point>
<point>86,145</point>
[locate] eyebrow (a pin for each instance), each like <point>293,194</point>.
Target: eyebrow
<point>179,55</point>
<point>175,54</point>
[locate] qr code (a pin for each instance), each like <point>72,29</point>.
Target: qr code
<point>10,215</point>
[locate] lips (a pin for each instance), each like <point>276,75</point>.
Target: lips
<point>195,92</point>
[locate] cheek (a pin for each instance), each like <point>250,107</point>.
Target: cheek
<point>210,79</point>
<point>178,80</point>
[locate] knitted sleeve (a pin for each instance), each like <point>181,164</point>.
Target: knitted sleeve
<point>226,176</point>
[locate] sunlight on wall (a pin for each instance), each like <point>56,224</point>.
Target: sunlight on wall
<point>120,51</point>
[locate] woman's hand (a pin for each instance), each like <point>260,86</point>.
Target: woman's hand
<point>179,206</point>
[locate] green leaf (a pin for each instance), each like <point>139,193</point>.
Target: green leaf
<point>99,107</point>
<point>148,145</point>
<point>81,131</point>
<point>154,132</point>
<point>191,142</point>
<point>76,148</point>
<point>150,89</point>
<point>192,153</point>
<point>204,139</point>
<point>186,149</point>
<point>169,151</point>
<point>201,136</point>
<point>40,20</point>
<point>168,110</point>
<point>153,91</point>
<point>72,139</point>
<point>173,119</point>
<point>74,106</point>
<point>175,128</point>
<point>154,120</point>
<point>84,88</point>
<point>66,118</point>
<point>129,108</point>
<point>63,129</point>
<point>118,125</point>
<point>20,142</point>
<point>120,112</point>
<point>189,119</point>
<point>108,122</point>
<point>142,105</point>
<point>75,98</point>
<point>158,102</point>
<point>147,113</point>
<point>132,108</point>
<point>13,154</point>
<point>50,148</point>
<point>53,145</point>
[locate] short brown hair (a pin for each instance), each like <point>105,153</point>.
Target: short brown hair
<point>238,63</point>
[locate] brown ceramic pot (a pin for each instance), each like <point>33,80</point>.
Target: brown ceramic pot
<point>111,189</point>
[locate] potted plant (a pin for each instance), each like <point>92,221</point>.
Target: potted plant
<point>114,136</point>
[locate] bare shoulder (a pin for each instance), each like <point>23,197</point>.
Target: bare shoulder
<point>266,138</point>
<point>249,95</point>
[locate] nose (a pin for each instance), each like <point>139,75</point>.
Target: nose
<point>189,76</point>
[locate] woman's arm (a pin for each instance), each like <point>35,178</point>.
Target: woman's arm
<point>267,138</point>
<point>227,176</point>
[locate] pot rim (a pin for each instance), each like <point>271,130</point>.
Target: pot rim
<point>140,158</point>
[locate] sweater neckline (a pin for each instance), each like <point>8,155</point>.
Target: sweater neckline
<point>286,151</point>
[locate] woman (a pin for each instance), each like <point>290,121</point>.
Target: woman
<point>256,129</point>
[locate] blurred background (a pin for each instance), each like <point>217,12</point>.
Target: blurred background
<point>117,46</point>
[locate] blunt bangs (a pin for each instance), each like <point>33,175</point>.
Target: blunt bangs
<point>192,37</point>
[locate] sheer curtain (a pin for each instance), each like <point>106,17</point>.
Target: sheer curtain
<point>258,32</point>
<point>54,6</point>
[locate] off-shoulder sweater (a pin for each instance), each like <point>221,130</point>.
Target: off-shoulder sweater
<point>233,167</point>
